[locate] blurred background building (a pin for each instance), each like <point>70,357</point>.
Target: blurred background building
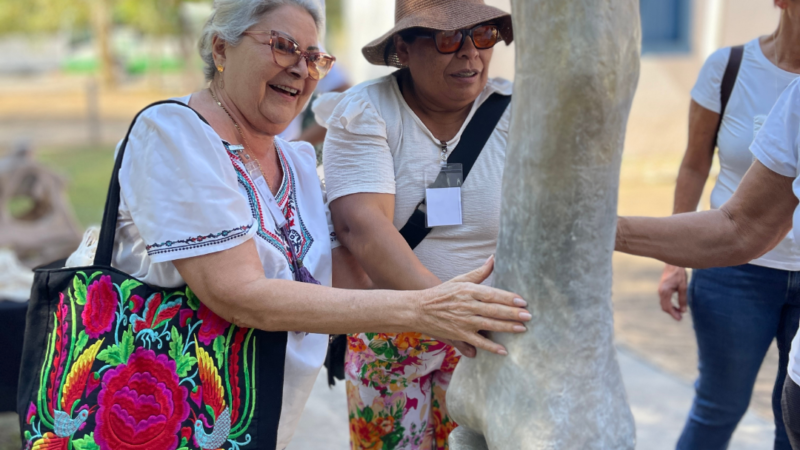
<point>74,73</point>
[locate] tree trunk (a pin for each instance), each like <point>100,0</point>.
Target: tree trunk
<point>101,21</point>
<point>577,66</point>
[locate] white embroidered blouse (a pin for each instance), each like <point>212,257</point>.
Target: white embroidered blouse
<point>185,194</point>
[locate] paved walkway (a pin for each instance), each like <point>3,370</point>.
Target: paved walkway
<point>658,400</point>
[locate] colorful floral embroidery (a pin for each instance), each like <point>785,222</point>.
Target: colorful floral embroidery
<point>300,238</point>
<point>171,374</point>
<point>396,386</point>
<point>199,241</point>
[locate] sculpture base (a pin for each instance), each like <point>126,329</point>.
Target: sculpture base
<point>463,438</point>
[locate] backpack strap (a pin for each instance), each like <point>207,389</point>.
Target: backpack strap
<point>108,227</point>
<point>728,82</point>
<point>474,138</point>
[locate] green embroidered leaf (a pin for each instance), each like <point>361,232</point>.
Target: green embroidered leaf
<point>94,275</point>
<point>184,364</point>
<point>176,344</point>
<point>126,287</point>
<point>211,412</point>
<point>83,339</point>
<point>183,443</point>
<point>115,355</point>
<point>370,336</point>
<point>85,443</point>
<point>27,435</point>
<point>184,448</point>
<point>79,290</point>
<point>367,414</point>
<point>192,299</point>
<point>219,349</point>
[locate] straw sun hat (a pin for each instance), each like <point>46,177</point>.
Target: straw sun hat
<point>437,15</point>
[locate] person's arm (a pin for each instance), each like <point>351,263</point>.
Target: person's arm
<point>363,224</point>
<point>752,222</point>
<point>347,273</point>
<point>232,284</point>
<point>694,170</point>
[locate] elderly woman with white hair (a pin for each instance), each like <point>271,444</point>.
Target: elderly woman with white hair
<point>212,199</point>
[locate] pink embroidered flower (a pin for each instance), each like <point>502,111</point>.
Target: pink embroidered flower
<point>101,304</point>
<point>213,325</point>
<point>141,405</point>
<point>31,413</point>
<point>136,303</point>
<point>185,315</point>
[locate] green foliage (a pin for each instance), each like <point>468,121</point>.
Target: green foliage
<point>153,17</point>
<point>85,443</point>
<point>126,288</point>
<point>79,290</point>
<point>191,300</point>
<point>219,349</point>
<point>31,16</point>
<point>119,353</point>
<point>183,363</point>
<point>83,339</point>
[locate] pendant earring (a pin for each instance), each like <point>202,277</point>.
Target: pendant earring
<point>220,69</point>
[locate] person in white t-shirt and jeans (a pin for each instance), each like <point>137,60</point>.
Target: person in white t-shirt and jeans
<point>736,311</point>
<point>753,221</point>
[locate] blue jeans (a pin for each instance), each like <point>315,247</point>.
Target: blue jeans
<point>737,312</point>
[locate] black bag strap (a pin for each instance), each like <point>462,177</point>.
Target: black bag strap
<point>108,227</point>
<point>728,82</point>
<point>473,139</point>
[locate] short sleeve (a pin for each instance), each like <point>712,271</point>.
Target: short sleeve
<point>776,144</point>
<point>180,186</point>
<point>706,90</point>
<point>356,153</point>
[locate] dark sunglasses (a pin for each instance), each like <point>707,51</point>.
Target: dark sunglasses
<point>483,36</point>
<point>286,53</point>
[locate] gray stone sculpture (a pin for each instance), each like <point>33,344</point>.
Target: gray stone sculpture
<point>560,388</point>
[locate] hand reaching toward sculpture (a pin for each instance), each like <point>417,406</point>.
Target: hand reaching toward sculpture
<point>673,280</point>
<point>458,309</point>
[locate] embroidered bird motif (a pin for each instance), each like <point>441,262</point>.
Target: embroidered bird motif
<point>213,398</point>
<point>65,425</point>
<point>222,428</point>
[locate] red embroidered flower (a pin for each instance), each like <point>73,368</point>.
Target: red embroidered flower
<point>141,404</point>
<point>101,303</point>
<point>213,325</point>
<point>186,433</point>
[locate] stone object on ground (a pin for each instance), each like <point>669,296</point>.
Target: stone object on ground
<point>560,388</point>
<point>36,221</point>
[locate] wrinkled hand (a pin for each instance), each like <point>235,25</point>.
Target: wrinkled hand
<point>673,280</point>
<point>458,309</point>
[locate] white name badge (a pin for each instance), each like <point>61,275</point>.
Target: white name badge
<point>443,206</point>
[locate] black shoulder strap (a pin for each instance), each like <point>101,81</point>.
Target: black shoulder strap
<point>728,82</point>
<point>473,139</point>
<point>105,243</point>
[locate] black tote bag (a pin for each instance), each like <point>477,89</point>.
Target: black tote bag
<point>112,363</point>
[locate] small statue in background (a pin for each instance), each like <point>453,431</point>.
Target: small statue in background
<point>36,220</point>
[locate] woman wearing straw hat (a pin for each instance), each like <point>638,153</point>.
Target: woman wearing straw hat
<point>388,140</point>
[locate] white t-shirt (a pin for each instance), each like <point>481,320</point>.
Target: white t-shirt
<point>376,144</point>
<point>777,147</point>
<point>758,86</point>
<point>184,194</point>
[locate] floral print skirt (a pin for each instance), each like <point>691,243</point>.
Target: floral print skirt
<point>396,387</point>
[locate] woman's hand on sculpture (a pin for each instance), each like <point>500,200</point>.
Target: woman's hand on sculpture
<point>673,280</point>
<point>460,308</point>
